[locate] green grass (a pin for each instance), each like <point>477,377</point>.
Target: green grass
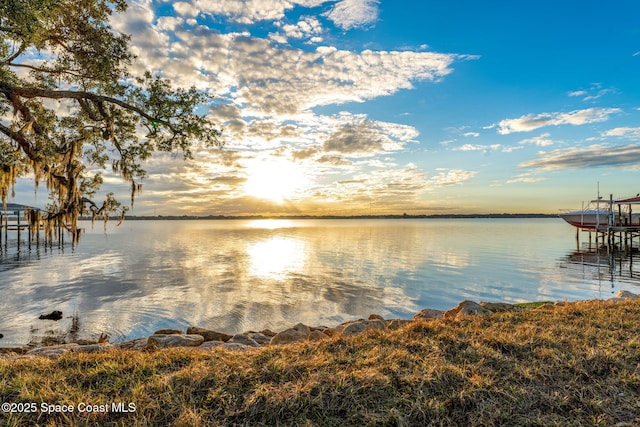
<point>572,365</point>
<point>534,304</point>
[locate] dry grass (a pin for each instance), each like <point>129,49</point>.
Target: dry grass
<point>577,365</point>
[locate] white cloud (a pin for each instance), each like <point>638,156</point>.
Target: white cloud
<point>391,189</point>
<point>278,38</point>
<point>365,138</point>
<point>578,93</point>
<point>535,121</point>
<point>348,14</point>
<point>598,94</point>
<point>186,10</point>
<point>471,134</point>
<point>510,149</point>
<point>247,11</point>
<point>595,91</point>
<point>598,155</point>
<point>290,80</point>
<point>265,94</point>
<point>265,76</point>
<point>308,27</point>
<point>387,189</point>
<point>624,132</point>
<point>349,135</point>
<point>268,78</point>
<point>169,23</point>
<point>526,179</point>
<point>451,177</point>
<point>477,147</point>
<point>484,148</point>
<point>541,140</point>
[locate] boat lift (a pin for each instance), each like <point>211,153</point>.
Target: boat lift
<point>19,218</point>
<point>621,225</point>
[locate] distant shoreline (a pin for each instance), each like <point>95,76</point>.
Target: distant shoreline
<point>289,217</point>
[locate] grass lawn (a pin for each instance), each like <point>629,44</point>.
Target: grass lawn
<point>571,365</point>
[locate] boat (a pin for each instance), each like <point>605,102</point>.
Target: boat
<point>600,213</point>
<point>586,218</point>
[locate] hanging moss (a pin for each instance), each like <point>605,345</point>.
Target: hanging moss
<point>81,110</point>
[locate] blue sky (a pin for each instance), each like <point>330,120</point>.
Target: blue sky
<point>364,106</point>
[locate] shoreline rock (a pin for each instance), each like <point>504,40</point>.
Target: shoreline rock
<point>466,308</point>
<point>54,315</point>
<point>202,338</point>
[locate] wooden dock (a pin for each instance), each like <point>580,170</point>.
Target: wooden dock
<point>616,237</point>
<point>619,237</point>
<point>620,226</point>
<point>16,218</point>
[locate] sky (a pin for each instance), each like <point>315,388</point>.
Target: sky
<point>344,107</point>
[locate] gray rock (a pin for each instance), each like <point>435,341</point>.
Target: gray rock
<point>243,339</point>
<point>136,344</point>
<point>82,341</point>
<point>260,338</point>
<point>52,351</point>
<point>93,348</point>
<point>317,336</point>
<point>428,314</point>
<point>166,341</point>
<point>358,327</point>
<point>288,336</point>
<point>626,295</point>
<point>209,335</point>
<point>298,333</point>
<point>302,328</point>
<point>168,332</point>
<point>466,308</point>
<point>497,307</point>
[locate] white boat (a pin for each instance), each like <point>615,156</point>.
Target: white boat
<point>586,218</point>
<point>604,212</point>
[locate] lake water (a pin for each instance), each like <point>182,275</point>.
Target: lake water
<point>238,275</point>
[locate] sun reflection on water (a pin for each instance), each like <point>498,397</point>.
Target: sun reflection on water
<point>270,224</point>
<point>276,257</point>
<point>241,275</point>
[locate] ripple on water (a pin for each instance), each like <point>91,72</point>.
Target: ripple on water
<point>228,276</point>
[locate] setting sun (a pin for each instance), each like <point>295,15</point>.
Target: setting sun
<point>274,179</point>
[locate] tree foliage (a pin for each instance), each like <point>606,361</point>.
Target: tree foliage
<point>69,107</point>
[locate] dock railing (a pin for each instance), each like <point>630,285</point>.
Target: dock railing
<point>18,218</point>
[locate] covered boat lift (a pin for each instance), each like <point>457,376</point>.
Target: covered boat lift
<point>627,219</point>
<point>18,218</point>
<point>622,225</point>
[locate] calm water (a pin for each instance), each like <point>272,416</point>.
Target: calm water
<point>249,275</point>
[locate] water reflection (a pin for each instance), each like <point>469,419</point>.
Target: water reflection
<point>276,257</point>
<point>270,224</point>
<point>239,275</point>
<point>602,265</point>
